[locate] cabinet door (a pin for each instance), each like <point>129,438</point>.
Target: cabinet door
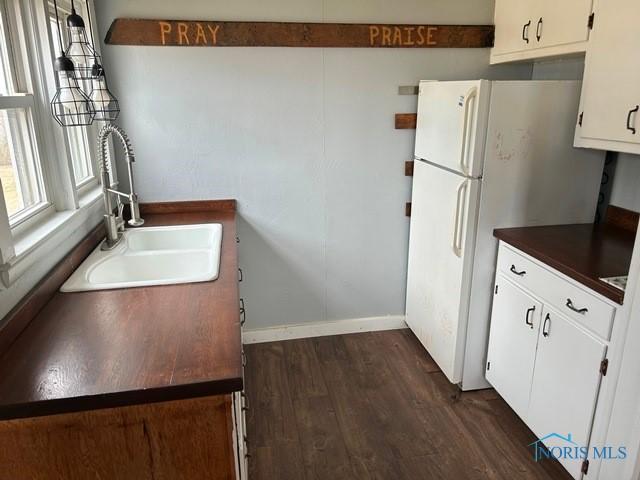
<point>565,386</point>
<point>611,90</point>
<point>515,319</point>
<point>511,19</point>
<point>559,23</point>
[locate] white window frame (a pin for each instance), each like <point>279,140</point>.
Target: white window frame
<point>70,206</point>
<point>15,50</point>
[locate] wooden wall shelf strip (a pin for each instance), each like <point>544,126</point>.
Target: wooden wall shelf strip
<point>406,121</point>
<point>203,33</point>
<point>189,206</point>
<point>408,90</point>
<point>408,168</point>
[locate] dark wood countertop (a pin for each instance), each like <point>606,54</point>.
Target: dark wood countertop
<point>110,348</point>
<point>585,253</point>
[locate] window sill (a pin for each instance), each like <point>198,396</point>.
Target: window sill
<point>38,242</point>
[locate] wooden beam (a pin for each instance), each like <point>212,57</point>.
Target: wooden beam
<point>408,168</point>
<point>194,33</point>
<point>406,121</point>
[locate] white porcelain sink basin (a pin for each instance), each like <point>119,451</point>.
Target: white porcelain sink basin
<point>152,256</point>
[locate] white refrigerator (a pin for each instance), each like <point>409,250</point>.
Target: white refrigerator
<point>487,155</point>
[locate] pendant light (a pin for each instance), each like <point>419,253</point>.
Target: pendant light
<point>105,103</point>
<point>70,106</point>
<point>80,51</point>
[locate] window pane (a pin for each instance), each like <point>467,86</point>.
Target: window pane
<point>5,79</point>
<point>78,145</point>
<point>21,182</point>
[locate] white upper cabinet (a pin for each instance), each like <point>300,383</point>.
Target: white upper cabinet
<point>513,20</point>
<point>610,116</point>
<point>529,29</point>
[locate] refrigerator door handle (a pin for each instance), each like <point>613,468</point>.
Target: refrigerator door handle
<point>457,229</point>
<point>464,153</point>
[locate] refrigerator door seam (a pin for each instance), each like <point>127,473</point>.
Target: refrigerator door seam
<point>441,167</point>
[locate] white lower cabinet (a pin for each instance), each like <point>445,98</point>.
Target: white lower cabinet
<point>566,380</point>
<point>240,446</point>
<point>547,365</point>
<point>512,344</point>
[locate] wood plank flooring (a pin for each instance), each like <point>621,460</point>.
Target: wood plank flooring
<point>376,406</point>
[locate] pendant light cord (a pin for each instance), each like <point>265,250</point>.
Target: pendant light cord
<point>55,6</point>
<point>93,43</point>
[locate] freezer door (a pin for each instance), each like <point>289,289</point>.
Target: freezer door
<point>443,219</point>
<point>451,124</point>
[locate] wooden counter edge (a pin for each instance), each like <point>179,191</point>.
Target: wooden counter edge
<point>592,283</point>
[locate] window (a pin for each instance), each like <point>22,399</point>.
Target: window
<point>20,169</point>
<point>48,176</point>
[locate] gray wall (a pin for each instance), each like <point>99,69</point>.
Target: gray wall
<point>302,138</point>
<point>626,182</point>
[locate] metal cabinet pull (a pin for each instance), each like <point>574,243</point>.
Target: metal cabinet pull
<point>570,306</point>
<point>240,275</point>
<point>547,323</point>
<point>526,317</point>
<point>525,31</point>
<point>243,313</point>
<point>539,30</point>
<point>244,359</point>
<point>516,272</point>
<point>629,115</point>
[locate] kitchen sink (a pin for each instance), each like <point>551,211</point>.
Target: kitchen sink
<point>152,256</point>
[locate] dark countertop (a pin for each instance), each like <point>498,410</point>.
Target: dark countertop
<point>585,252</point>
<point>112,348</point>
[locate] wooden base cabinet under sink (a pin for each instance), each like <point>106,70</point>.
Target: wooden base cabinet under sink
<point>183,439</point>
<point>547,349</point>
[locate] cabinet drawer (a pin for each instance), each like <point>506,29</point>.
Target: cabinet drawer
<point>576,303</point>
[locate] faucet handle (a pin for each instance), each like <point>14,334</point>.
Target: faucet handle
<point>119,220</point>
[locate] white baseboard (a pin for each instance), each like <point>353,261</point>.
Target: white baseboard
<point>321,329</point>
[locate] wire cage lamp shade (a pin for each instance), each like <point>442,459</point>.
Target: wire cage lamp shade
<point>105,103</point>
<point>80,50</point>
<point>70,106</point>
